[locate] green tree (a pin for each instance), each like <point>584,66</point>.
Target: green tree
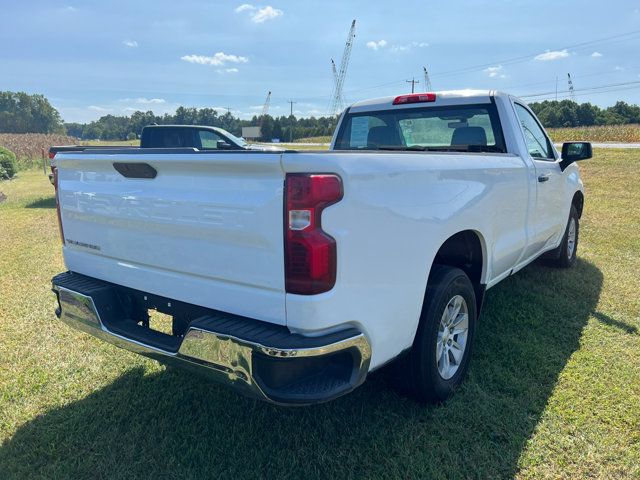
<point>74,129</point>
<point>24,113</point>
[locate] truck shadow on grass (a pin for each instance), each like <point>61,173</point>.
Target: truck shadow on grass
<point>46,202</point>
<point>174,425</point>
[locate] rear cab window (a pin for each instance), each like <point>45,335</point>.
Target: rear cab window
<point>474,128</point>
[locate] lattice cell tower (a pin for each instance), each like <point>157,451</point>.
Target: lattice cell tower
<point>337,100</point>
<point>427,81</point>
<point>572,94</point>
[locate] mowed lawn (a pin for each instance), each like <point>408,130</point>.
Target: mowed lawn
<point>553,391</point>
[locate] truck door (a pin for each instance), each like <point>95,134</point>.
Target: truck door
<point>547,224</point>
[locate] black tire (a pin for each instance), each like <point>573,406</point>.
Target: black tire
<point>419,369</point>
<point>565,256</point>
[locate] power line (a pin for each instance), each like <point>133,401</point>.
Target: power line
<point>529,56</point>
<point>549,82</point>
<point>597,87</point>
<point>508,61</point>
<point>565,97</point>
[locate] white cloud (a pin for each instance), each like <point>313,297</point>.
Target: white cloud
<point>494,71</point>
<point>596,55</point>
<point>373,45</point>
<point>618,68</point>
<point>408,46</point>
<point>552,55</point>
<point>96,108</point>
<point>243,7</point>
<point>150,100</point>
<point>219,59</point>
<point>228,70</point>
<point>266,13</point>
<point>143,100</point>
<point>130,43</point>
<point>259,14</point>
<point>70,8</point>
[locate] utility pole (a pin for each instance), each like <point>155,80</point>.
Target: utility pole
<point>291,102</point>
<point>556,88</point>
<point>413,82</point>
<point>228,110</point>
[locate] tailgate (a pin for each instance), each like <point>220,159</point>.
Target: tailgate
<point>206,230</point>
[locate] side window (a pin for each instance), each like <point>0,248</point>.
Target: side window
<point>209,139</point>
<point>537,142</point>
<point>361,126</point>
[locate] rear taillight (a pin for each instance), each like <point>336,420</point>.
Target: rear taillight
<point>54,172</point>
<point>310,253</point>
<point>51,155</point>
<point>415,98</point>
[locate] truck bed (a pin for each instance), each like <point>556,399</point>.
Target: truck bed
<point>208,229</point>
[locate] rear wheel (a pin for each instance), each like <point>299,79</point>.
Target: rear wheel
<point>439,358</point>
<point>565,255</point>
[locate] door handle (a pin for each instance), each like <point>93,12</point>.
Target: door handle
<point>543,178</point>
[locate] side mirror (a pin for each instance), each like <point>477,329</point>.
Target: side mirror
<point>222,145</point>
<point>575,151</point>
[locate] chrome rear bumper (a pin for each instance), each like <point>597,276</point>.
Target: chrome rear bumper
<point>260,359</point>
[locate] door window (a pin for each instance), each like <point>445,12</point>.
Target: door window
<point>538,144</point>
<point>209,139</point>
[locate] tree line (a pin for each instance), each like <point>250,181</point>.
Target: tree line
<point>24,113</point>
<point>566,113</point>
<point>113,127</point>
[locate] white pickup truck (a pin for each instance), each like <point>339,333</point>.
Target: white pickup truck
<point>292,275</point>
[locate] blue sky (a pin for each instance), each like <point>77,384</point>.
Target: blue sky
<point>93,58</point>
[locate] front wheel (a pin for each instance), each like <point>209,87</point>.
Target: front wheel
<point>439,358</point>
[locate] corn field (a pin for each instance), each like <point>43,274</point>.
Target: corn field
<point>599,133</point>
<point>28,146</point>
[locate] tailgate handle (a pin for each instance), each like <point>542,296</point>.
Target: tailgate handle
<point>135,170</point>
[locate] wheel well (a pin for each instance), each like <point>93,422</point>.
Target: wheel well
<point>578,202</point>
<point>464,251</point>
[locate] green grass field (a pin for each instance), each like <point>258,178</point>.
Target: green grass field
<point>553,390</point>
